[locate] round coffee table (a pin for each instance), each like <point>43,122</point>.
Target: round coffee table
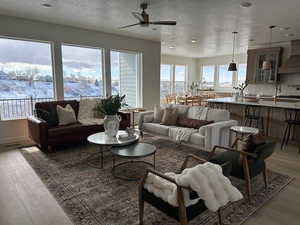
<point>132,152</point>
<point>105,143</point>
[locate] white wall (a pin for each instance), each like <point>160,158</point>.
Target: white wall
<point>57,34</point>
<point>191,64</point>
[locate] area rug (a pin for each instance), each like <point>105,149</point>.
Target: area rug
<point>92,196</point>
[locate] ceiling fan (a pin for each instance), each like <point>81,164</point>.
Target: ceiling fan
<point>143,19</point>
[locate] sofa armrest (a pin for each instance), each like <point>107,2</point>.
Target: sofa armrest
<point>143,116</point>
<point>217,133</point>
<point>125,120</point>
<point>38,130</point>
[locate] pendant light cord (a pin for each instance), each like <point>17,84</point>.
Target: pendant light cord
<point>233,47</point>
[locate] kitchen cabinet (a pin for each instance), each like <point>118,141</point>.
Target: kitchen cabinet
<point>255,73</point>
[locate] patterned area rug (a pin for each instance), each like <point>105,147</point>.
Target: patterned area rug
<point>92,196</point>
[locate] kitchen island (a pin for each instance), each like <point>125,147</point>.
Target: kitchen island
<point>273,112</point>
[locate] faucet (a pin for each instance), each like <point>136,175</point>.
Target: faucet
<point>277,89</point>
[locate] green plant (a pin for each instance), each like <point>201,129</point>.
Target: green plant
<point>110,105</point>
<point>193,86</point>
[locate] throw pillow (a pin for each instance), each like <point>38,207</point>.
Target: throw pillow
<point>50,117</point>
<point>169,117</point>
<point>158,113</point>
<point>86,108</point>
<point>66,115</point>
<point>192,123</point>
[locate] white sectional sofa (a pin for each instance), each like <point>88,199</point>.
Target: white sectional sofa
<point>216,133</point>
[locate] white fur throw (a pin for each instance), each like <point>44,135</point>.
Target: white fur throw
<point>206,179</point>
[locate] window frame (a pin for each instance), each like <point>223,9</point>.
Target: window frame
<point>139,80</point>
<point>173,76</point>
<point>102,65</point>
<point>51,43</point>
<point>217,76</point>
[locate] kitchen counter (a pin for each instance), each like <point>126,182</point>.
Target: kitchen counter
<point>283,103</point>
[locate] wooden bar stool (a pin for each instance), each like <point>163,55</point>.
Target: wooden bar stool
<point>292,120</point>
<point>253,118</point>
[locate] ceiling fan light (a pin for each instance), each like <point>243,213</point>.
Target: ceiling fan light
<point>266,65</point>
<point>232,67</point>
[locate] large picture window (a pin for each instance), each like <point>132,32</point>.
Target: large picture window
<point>225,77</point>
<point>25,69</point>
<point>208,76</point>
<point>165,80</point>
<point>172,80</point>
<point>82,71</point>
<point>125,76</point>
<point>242,69</point>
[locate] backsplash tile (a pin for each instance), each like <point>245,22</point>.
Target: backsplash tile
<point>287,86</point>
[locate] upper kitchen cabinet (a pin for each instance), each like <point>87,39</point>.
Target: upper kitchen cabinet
<point>255,73</point>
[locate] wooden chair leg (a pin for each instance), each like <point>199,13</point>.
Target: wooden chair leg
<point>247,178</point>
<point>265,176</point>
<point>141,210</point>
<point>181,208</point>
<point>220,217</point>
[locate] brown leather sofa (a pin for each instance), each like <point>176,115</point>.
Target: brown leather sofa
<point>47,137</point>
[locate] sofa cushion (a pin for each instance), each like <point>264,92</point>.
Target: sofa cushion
<point>91,121</point>
<point>73,130</point>
<point>196,112</point>
<point>191,123</point>
<point>197,139</point>
<point>218,115</point>
<point>156,128</point>
<point>181,110</point>
<point>86,108</point>
<point>49,116</point>
<point>66,115</point>
<point>158,112</point>
<point>169,117</point>
<point>48,106</point>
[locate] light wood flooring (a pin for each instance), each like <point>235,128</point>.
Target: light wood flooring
<point>25,200</point>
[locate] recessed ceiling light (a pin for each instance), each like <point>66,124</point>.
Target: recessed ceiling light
<point>171,47</point>
<point>251,39</point>
<point>193,40</point>
<point>246,4</point>
<point>47,5</point>
<point>284,28</point>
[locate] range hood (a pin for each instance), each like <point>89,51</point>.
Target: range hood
<point>292,65</point>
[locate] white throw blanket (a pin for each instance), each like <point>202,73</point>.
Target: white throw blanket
<point>206,179</point>
<point>181,134</point>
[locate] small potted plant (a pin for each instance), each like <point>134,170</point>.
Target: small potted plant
<point>110,107</point>
<point>241,87</point>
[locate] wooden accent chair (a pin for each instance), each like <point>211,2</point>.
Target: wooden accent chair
<point>245,165</point>
<point>181,213</point>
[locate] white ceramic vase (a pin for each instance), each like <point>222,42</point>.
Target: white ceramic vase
<point>111,125</point>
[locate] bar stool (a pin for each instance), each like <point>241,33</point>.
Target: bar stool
<point>292,120</point>
<point>253,116</point>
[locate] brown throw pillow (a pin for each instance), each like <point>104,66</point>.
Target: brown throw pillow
<point>250,144</point>
<point>169,117</point>
<point>191,123</point>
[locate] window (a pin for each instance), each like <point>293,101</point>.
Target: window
<point>208,76</point>
<point>125,76</point>
<point>225,77</point>
<point>82,71</point>
<point>242,73</point>
<point>172,80</point>
<point>165,80</point>
<point>25,69</point>
<point>179,80</point>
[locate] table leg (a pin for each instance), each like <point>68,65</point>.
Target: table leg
<point>268,121</point>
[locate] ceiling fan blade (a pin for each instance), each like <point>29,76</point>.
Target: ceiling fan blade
<point>138,16</point>
<point>131,25</point>
<point>164,22</point>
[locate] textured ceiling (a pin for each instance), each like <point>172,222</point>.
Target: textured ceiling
<point>210,22</point>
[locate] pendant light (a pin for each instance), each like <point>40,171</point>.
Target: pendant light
<point>267,65</point>
<point>232,65</point>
